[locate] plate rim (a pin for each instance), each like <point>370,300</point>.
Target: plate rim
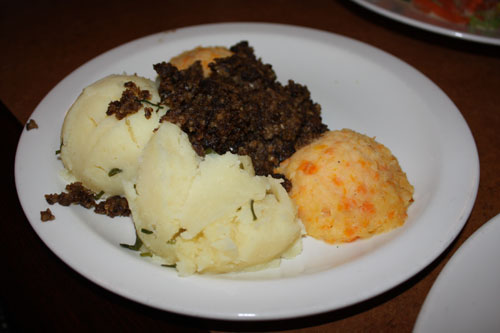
<point>278,315</point>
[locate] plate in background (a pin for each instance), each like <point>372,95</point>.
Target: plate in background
<point>404,12</point>
<point>466,294</point>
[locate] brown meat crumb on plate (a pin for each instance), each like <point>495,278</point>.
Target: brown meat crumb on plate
<point>113,206</point>
<point>46,215</point>
<point>31,124</point>
<point>78,194</point>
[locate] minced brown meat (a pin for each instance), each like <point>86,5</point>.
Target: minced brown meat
<point>130,102</point>
<point>46,215</point>
<point>78,194</point>
<point>113,206</point>
<point>241,108</point>
<point>31,124</point>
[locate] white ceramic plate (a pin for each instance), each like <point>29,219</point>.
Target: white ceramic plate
<point>403,11</point>
<point>466,294</point>
<point>359,87</point>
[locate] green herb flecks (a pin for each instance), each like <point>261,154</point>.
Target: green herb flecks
<point>98,195</point>
<point>114,171</point>
<point>171,266</point>
<point>146,254</point>
<point>157,105</point>
<point>210,151</point>
<point>59,150</point>
<point>253,211</point>
<point>135,247</point>
<point>146,231</point>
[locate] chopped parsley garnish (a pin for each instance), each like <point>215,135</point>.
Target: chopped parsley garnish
<point>210,151</point>
<point>157,105</point>
<point>59,150</point>
<point>253,212</point>
<point>114,171</point>
<point>98,195</point>
<point>135,247</point>
<point>146,231</point>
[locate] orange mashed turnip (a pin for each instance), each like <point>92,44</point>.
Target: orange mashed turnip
<point>205,55</point>
<point>347,186</point>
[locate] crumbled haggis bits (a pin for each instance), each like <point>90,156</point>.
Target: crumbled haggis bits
<point>31,124</point>
<point>46,215</point>
<point>113,206</point>
<point>130,102</point>
<point>147,112</point>
<point>78,194</point>
<point>240,108</point>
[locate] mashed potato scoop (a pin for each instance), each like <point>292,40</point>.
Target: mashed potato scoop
<point>101,150</point>
<point>211,214</point>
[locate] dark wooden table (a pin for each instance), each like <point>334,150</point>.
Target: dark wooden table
<point>42,42</point>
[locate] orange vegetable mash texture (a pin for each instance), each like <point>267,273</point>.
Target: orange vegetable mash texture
<point>205,55</point>
<point>347,186</point>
